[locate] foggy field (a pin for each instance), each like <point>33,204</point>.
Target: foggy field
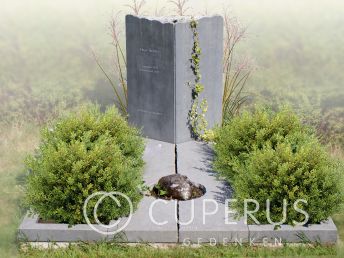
<point>47,67</point>
<point>296,47</point>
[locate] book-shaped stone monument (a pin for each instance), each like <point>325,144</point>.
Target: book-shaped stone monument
<point>159,71</point>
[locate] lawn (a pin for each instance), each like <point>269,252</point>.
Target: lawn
<point>16,141</point>
<point>104,250</point>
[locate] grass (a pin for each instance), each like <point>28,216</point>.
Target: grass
<point>107,250</point>
<point>16,141</point>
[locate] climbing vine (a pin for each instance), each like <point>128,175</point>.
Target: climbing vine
<point>197,121</point>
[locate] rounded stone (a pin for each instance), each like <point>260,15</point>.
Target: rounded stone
<point>178,187</point>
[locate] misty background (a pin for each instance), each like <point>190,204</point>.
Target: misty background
<point>45,46</point>
<point>47,66</point>
<point>46,61</point>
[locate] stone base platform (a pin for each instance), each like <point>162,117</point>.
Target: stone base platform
<point>203,220</point>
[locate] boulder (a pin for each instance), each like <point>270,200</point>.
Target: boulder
<point>178,187</point>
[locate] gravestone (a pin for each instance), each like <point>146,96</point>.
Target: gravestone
<point>159,72</point>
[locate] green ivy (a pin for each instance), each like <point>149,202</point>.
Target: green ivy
<point>197,120</point>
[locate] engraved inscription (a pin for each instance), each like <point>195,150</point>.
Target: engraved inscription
<point>149,69</point>
<point>149,112</point>
<point>149,57</point>
<point>150,50</point>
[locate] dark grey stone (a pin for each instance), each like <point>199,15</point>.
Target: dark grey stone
<point>32,230</point>
<point>159,158</point>
<point>195,161</point>
<point>159,69</point>
<point>325,233</point>
<point>162,228</point>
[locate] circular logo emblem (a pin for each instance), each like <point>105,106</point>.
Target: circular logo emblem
<point>102,228</point>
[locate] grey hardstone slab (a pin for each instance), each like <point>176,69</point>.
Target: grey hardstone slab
<point>31,230</point>
<point>160,161</point>
<point>159,70</point>
<point>194,161</point>
<point>325,232</point>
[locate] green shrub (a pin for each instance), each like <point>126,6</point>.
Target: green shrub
<point>82,154</point>
<point>273,156</point>
<point>249,131</point>
<point>296,168</point>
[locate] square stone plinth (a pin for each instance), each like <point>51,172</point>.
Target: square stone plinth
<point>207,219</point>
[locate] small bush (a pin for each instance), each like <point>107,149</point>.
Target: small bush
<point>296,168</point>
<point>81,154</point>
<point>273,157</point>
<point>249,131</point>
